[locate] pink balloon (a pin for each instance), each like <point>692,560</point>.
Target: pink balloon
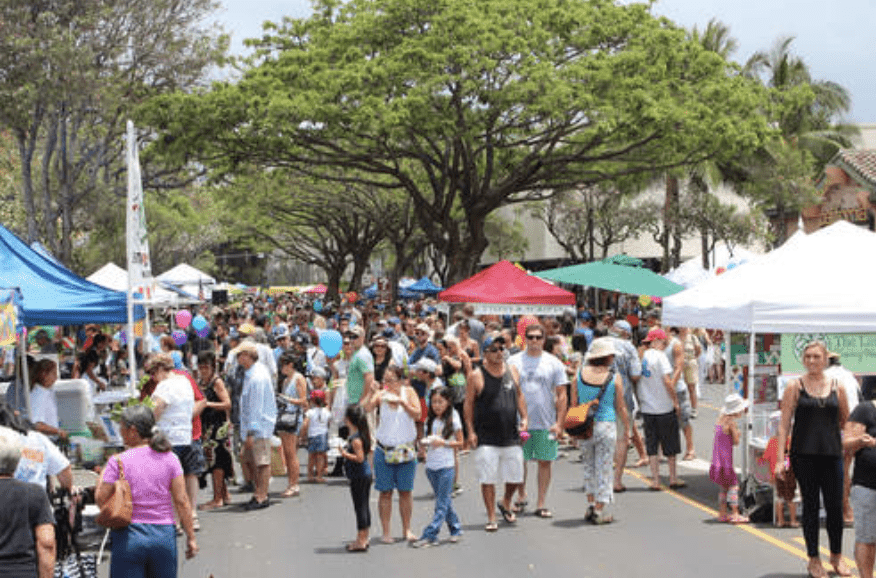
<point>183,318</point>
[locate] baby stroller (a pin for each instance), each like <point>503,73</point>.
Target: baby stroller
<point>70,562</point>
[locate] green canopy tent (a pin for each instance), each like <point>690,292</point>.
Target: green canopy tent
<point>613,277</point>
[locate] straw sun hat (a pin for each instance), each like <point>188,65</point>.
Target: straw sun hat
<point>602,347</point>
<point>733,404</point>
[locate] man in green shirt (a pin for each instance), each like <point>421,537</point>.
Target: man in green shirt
<point>360,371</point>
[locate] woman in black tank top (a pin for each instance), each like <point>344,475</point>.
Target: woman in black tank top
<point>819,409</point>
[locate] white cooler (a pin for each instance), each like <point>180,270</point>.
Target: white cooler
<point>75,406</point>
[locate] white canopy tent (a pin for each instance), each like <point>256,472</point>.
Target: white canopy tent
<point>190,280</point>
<point>692,273</point>
<point>114,277</point>
<point>813,283</point>
<point>817,283</point>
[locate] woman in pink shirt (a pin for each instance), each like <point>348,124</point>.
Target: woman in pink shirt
<point>147,547</point>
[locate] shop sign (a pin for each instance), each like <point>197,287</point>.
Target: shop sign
<point>857,350</point>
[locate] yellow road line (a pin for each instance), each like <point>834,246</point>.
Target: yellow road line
<point>744,527</point>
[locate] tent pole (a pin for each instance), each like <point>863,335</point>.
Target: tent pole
<point>746,432</point>
<point>25,376</point>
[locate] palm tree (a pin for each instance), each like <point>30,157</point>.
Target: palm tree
<point>807,115</point>
<point>810,123</point>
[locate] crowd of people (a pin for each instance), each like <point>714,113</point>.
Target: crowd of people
<point>411,386</point>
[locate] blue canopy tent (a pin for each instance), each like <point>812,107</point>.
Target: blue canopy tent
<point>403,292</point>
<point>425,286</point>
<point>52,294</point>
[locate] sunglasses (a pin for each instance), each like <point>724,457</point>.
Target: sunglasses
<point>494,349</point>
<point>534,337</point>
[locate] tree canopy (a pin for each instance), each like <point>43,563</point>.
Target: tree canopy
<point>466,106</point>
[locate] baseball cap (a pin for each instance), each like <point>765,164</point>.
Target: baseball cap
<point>356,330</point>
<point>426,364</point>
<point>424,328</point>
<point>318,372</point>
<point>246,329</point>
<point>622,325</point>
<point>493,337</point>
<point>317,394</point>
<point>585,315</point>
<point>281,330</point>
<point>655,333</point>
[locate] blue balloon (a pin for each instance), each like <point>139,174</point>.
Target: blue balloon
<point>731,266</point>
<point>317,305</point>
<point>330,342</point>
<point>199,322</point>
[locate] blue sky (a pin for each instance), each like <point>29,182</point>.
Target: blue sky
<point>834,38</point>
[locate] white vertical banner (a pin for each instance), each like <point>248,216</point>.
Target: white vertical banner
<point>139,264</point>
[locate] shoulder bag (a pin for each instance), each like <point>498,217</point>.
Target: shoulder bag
<point>579,419</point>
<point>116,513</point>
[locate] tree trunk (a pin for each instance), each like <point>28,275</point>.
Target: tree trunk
<point>25,152</point>
<point>704,247</point>
<point>590,241</point>
<point>464,255</point>
<point>359,267</point>
<point>334,274</point>
<point>669,213</point>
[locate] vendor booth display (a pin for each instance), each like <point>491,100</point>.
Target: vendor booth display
<point>506,288</point>
<point>813,284</point>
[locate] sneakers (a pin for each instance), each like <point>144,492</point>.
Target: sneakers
<point>457,489</point>
<point>422,543</point>
<point>455,538</point>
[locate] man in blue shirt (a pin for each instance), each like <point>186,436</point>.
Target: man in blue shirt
<point>258,415</point>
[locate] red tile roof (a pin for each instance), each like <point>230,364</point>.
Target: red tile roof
<point>861,161</point>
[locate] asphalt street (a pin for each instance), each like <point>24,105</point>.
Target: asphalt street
<point>668,533</point>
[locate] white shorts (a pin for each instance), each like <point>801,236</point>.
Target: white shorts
<point>497,465</point>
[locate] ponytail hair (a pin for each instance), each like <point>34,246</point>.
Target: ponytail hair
<point>358,418</point>
<point>142,419</point>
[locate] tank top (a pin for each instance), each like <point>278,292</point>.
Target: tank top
<point>354,469</point>
<point>816,428</point>
<point>396,426</point>
<point>495,411</point>
<point>588,391</point>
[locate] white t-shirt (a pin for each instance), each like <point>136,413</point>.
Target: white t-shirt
<point>319,421</point>
<point>441,457</point>
<point>40,458</point>
<point>539,378</point>
<point>653,397</point>
<point>176,421</point>
<point>44,406</point>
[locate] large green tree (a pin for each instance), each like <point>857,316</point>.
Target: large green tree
<point>466,106</point>
<point>71,73</point>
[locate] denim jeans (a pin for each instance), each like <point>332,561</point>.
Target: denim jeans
<point>442,485</point>
<point>144,551</point>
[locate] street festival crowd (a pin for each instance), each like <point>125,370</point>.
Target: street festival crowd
<point>410,386</point>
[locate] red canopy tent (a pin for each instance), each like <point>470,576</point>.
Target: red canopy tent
<point>317,290</point>
<point>505,288</point>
